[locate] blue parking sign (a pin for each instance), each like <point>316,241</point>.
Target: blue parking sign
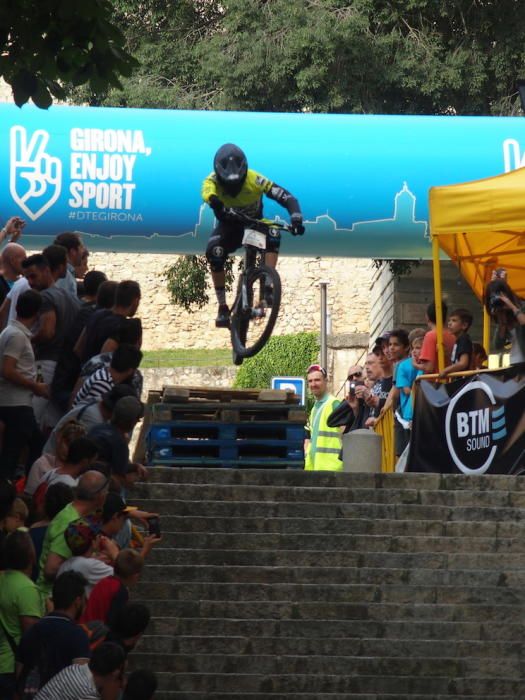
<point>295,384</point>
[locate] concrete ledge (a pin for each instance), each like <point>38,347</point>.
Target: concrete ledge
<point>348,340</point>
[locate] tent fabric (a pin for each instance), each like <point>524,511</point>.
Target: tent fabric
<point>480,225</point>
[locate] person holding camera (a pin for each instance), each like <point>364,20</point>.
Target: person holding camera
<point>508,311</point>
<point>353,411</point>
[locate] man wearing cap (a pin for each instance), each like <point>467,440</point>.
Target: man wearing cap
<point>115,522</point>
<point>83,537</point>
<point>323,444</point>
<point>112,440</point>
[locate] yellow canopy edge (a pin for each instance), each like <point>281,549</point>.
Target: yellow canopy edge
<point>480,225</point>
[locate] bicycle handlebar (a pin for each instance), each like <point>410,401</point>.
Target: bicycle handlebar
<point>245,219</point>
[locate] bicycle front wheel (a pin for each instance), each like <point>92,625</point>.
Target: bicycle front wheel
<point>253,319</point>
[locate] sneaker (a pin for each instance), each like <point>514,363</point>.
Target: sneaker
<point>223,317</point>
<point>268,296</point>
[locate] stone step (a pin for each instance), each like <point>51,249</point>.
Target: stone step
<point>428,686</point>
<point>299,477</point>
<point>313,494</point>
<point>505,561</point>
<point>331,575</point>
<point>301,646</point>
<point>410,629</point>
<point>331,665</point>
<point>291,585</point>
<point>373,511</point>
<point>343,525</point>
<point>379,611</point>
<point>337,542</point>
<point>330,593</point>
<point>185,695</point>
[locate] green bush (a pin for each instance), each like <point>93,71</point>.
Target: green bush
<point>187,281</point>
<point>282,356</point>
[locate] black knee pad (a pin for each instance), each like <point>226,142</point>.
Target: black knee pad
<point>216,254</point>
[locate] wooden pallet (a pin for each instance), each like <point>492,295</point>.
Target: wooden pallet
<point>184,394</point>
<point>223,427</point>
<point>225,441</point>
<point>251,411</point>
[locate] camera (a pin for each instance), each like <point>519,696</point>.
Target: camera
<point>351,386</point>
<point>495,302</point>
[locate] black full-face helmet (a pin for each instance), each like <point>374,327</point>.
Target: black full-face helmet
<point>230,167</point>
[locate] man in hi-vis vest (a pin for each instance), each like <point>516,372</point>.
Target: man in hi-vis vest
<point>323,444</point>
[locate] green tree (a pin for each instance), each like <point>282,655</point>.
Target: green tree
<point>45,44</point>
<point>162,35</point>
<point>367,56</point>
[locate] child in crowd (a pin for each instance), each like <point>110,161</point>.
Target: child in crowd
<point>458,324</point>
<point>405,377</point>
<point>398,347</point>
<point>67,434</point>
<point>17,517</point>
<point>93,554</point>
<point>110,594</point>
<point>479,357</point>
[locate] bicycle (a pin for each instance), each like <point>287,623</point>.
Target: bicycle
<point>252,316</point>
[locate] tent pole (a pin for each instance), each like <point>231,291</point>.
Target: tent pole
<point>486,330</point>
<point>437,300</point>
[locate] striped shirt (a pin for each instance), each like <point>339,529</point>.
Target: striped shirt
<point>72,683</point>
<point>95,387</point>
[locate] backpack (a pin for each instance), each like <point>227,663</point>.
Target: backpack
<point>96,632</point>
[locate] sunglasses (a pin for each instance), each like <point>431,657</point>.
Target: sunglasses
<point>317,368</point>
<point>355,375</point>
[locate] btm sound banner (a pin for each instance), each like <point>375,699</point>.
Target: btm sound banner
<point>472,426</point>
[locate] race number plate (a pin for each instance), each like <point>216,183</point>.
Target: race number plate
<point>255,238</point>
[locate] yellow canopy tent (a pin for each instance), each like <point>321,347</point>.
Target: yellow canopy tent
<point>480,225</point>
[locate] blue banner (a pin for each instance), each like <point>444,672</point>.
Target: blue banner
<point>130,179</point>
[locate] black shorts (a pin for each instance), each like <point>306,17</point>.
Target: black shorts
<point>226,238</point>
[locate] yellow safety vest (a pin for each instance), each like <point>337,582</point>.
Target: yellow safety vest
<point>325,445</point>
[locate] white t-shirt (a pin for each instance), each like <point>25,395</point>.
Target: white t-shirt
<point>92,569</point>
<point>55,477</point>
<point>43,464</point>
<point>21,285</point>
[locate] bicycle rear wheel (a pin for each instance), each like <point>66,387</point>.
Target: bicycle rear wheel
<point>252,322</point>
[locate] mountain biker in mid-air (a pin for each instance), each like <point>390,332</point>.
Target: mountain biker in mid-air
<point>233,186</point>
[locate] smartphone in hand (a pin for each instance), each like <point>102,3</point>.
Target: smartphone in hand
<point>154,526</point>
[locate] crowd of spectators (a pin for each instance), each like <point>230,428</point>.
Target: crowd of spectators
<point>395,362</point>
<point>71,547</point>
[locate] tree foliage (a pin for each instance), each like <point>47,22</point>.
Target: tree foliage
<point>364,56</point>
<point>46,44</point>
<point>187,281</point>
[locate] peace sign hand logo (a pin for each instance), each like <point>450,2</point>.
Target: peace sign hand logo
<point>35,176</point>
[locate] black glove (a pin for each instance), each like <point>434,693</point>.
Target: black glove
<point>297,224</point>
<point>232,216</point>
<point>216,204</point>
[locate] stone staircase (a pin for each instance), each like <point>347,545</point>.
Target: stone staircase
<point>294,585</point>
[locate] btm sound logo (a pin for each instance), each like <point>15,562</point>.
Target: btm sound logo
<point>474,426</point>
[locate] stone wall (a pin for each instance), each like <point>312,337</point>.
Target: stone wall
<point>168,326</point>
<point>157,378</point>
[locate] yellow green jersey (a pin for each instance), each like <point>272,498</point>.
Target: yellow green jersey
<point>249,199</point>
